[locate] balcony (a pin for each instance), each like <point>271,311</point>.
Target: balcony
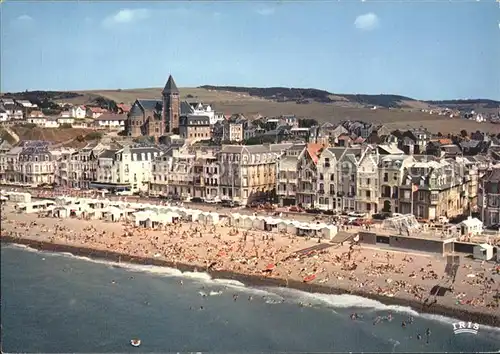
<point>321,191</point>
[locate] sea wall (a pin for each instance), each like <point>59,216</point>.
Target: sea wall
<point>253,280</point>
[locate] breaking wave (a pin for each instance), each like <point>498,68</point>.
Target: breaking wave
<point>274,295</point>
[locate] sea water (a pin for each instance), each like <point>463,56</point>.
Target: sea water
<point>61,303</point>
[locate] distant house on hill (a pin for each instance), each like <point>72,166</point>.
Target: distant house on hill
<point>95,112</point>
<point>78,112</point>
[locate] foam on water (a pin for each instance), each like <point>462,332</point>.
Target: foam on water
<point>342,301</point>
<point>273,295</point>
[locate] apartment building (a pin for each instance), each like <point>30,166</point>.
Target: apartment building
<point>288,175</point>
<point>435,188</point>
<point>248,173</point>
<point>232,129</point>
<point>308,175</point>
<point>489,197</point>
<point>128,168</point>
<point>195,127</point>
<point>78,168</point>
<point>367,181</point>
<point>36,164</point>
<point>186,174</point>
<point>391,173</point>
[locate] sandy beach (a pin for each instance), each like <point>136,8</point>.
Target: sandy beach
<point>260,258</point>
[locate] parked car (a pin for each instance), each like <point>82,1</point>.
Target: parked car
<point>381,216</point>
<point>228,203</point>
<point>213,200</point>
<point>196,200</point>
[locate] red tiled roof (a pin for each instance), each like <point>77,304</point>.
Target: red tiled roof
<point>314,150</point>
<point>124,107</point>
<point>97,110</point>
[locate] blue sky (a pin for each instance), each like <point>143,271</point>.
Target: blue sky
<point>426,50</point>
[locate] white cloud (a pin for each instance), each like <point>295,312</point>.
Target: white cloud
<point>367,22</point>
<point>126,16</point>
<point>25,18</point>
<point>266,11</point>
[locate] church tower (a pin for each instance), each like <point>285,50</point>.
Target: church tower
<point>171,106</point>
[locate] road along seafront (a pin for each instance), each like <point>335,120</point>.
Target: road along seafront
<point>263,259</point>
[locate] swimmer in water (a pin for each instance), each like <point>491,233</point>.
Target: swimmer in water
<point>113,282</point>
<point>377,320</point>
<point>250,298</point>
<point>427,334</point>
<point>419,336</point>
<point>201,307</point>
<point>353,316</point>
<point>411,319</point>
<point>403,324</point>
<point>235,297</point>
<point>181,282</point>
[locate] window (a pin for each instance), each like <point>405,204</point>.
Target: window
<point>368,181</point>
<point>386,177</point>
<point>368,194</point>
<point>332,177</point>
<point>320,176</point>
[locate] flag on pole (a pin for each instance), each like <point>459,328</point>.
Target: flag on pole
<point>414,188</point>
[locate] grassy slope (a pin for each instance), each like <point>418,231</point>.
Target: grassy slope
<point>55,135</point>
<point>230,102</point>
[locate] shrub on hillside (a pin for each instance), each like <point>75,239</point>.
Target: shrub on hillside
<point>93,136</point>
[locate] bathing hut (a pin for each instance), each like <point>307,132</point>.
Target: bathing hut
<point>259,223</point>
<point>212,218</point>
<point>247,221</point>
<point>60,211</point>
<point>483,251</point>
<point>35,206</point>
<point>235,220</point>
<point>305,229</point>
<point>141,218</point>
<point>283,224</point>
<point>172,217</point>
<point>328,231</point>
<point>192,214</point>
<point>291,228</point>
<point>113,214</point>
<point>271,224</point>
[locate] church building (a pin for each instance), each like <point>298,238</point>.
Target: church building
<point>153,117</point>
